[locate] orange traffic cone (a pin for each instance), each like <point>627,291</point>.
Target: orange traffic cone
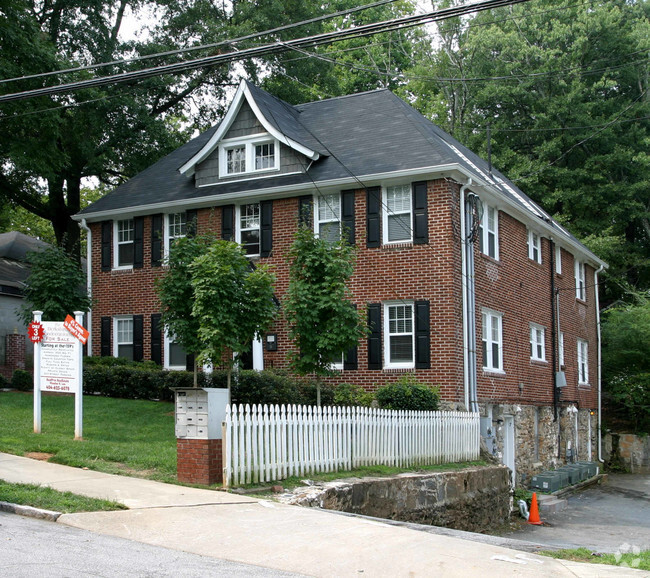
<point>534,512</point>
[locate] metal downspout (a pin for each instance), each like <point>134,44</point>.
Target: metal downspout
<point>600,421</point>
<point>89,283</point>
<point>463,254</point>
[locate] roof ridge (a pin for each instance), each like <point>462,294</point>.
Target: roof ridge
<point>344,96</point>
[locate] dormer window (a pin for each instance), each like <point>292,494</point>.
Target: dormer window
<point>248,157</point>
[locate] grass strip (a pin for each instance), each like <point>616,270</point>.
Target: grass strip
<point>628,556</point>
<point>49,499</point>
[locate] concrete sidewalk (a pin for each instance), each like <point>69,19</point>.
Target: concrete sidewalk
<point>254,531</point>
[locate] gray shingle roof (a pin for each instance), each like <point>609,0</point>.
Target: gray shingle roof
<point>360,136</point>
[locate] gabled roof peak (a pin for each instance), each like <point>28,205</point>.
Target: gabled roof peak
<point>278,118</point>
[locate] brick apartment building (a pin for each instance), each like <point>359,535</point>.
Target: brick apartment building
<point>467,282</point>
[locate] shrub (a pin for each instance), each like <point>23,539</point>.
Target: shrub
<point>347,394</point>
<point>3,382</point>
<point>408,394</point>
<point>22,380</point>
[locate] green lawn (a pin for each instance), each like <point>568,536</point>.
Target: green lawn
<point>129,437</point>
<point>633,559</point>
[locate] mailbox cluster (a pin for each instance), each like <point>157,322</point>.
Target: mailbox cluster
<point>199,412</point>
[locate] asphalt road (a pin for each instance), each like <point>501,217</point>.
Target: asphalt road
<point>606,518</point>
<point>32,548</point>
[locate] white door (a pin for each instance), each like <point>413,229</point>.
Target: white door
<point>509,445</point>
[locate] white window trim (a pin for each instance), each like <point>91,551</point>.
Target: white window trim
<point>117,343</point>
<point>317,220</point>
<point>583,359</point>
<point>485,232</point>
<point>249,144</point>
<point>558,259</point>
<point>561,349</point>
<point>580,277</point>
<point>532,246</point>
<point>166,237</point>
<point>533,343</point>
<point>238,229</point>
<point>386,320</point>
<point>486,329</point>
<point>384,215</point>
<point>116,245</point>
<point>166,364</point>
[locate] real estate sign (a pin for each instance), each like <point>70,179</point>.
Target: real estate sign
<point>59,359</point>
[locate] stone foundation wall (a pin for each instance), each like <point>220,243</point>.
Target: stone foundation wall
<point>541,441</point>
<point>473,499</point>
<point>633,451</point>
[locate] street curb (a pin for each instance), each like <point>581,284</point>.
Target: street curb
<point>29,512</point>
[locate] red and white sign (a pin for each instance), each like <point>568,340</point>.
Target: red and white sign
<point>35,332</point>
<point>78,330</point>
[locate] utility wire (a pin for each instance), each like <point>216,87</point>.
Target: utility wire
<point>203,46</point>
<point>268,49</point>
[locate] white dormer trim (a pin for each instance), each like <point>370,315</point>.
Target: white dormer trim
<point>243,92</point>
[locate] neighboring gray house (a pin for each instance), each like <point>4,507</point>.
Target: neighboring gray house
<point>14,271</point>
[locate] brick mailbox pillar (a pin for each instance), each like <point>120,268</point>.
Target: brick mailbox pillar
<point>15,348</point>
<point>199,413</point>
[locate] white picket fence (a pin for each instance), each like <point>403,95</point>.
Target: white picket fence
<point>266,443</point>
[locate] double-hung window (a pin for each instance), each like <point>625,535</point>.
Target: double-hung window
<point>328,217</point>
<point>558,259</point>
<point>398,207</point>
<point>534,246</point>
<point>248,232</point>
<point>581,292</point>
<point>489,232</point>
<point>583,362</point>
<point>492,340</point>
<point>537,348</point>
<point>248,156</point>
<point>399,335</point>
<point>175,228</point>
<point>125,246</point>
<point>123,343</point>
<point>175,354</point>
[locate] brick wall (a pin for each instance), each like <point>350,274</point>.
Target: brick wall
<point>14,355</point>
<point>514,285</point>
<point>199,461</point>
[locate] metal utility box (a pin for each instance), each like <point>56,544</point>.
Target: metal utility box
<point>546,482</point>
<point>573,472</point>
<point>590,467</point>
<point>199,412</point>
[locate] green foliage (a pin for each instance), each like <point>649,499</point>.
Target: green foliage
<point>628,557</point>
<point>176,292</point>
<point>49,499</point>
<point>56,286</point>
<point>274,387</point>
<point>348,395</point>
<point>233,303</point>
<point>626,362</point>
<point>408,394</point>
<point>322,320</point>
<point>22,380</point>
<point>3,382</point>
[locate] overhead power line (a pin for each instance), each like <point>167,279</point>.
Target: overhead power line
<point>268,49</point>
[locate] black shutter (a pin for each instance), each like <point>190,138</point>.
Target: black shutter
<point>138,242</point>
<point>191,223</point>
<point>305,211</point>
<point>105,337</point>
<point>189,362</point>
<point>107,245</point>
<point>422,335</point>
<point>228,223</point>
<point>350,359</point>
<point>374,339</point>
<point>420,217</point>
<point>373,216</point>
<point>156,339</point>
<point>266,228</point>
<point>347,215</point>
<point>138,337</point>
<point>156,240</point>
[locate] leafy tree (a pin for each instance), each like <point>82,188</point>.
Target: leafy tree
<point>56,286</point>
<point>322,320</point>
<point>626,361</point>
<point>564,87</point>
<point>233,303</point>
<point>176,293</point>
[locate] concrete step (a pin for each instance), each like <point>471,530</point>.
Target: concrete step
<point>550,504</point>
